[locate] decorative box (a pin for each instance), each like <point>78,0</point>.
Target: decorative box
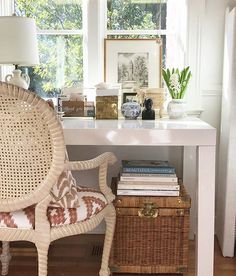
<point>106,107</point>
<point>151,234</point>
<point>73,108</point>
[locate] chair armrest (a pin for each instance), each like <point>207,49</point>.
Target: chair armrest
<point>101,162</point>
<point>108,157</point>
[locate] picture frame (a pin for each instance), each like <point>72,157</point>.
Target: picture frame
<point>129,97</point>
<point>137,60</point>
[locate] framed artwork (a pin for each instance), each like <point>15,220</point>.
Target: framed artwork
<point>133,60</point>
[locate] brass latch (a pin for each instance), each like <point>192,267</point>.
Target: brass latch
<point>149,211</point>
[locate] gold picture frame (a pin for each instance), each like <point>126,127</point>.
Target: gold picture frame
<point>135,59</point>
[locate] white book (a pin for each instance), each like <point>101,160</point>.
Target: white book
<point>149,174</point>
<point>149,178</point>
<point>107,92</point>
<point>147,186</point>
<point>148,192</point>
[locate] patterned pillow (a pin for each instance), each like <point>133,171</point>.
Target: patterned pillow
<point>64,192</point>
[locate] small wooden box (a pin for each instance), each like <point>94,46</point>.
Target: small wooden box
<point>155,244</point>
<point>106,107</point>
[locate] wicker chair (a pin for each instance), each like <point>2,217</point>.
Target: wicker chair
<point>32,159</point>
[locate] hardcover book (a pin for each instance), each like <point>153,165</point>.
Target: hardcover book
<point>171,175</point>
<point>148,192</point>
<point>147,166</point>
<point>149,179</point>
<point>122,185</point>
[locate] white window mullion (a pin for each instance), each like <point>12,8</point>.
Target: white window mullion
<point>176,30</point>
<point>92,43</point>
<point>6,7</point>
<point>85,42</point>
<point>135,32</point>
<point>60,32</point>
<point>102,31</point>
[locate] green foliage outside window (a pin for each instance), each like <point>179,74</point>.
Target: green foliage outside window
<point>52,14</point>
<point>129,15</point>
<point>61,55</point>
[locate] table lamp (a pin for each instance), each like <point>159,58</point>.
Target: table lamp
<point>18,47</point>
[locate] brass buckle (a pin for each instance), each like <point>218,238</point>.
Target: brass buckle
<point>149,211</point>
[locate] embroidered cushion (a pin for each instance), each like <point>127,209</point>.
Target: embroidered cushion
<point>90,203</point>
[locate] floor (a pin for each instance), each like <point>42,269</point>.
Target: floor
<point>81,255</point>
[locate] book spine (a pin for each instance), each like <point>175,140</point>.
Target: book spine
<point>123,186</point>
<point>148,192</point>
<point>149,174</point>
<point>167,170</point>
<point>149,179</point>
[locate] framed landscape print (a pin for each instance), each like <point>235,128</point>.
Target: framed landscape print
<point>138,60</point>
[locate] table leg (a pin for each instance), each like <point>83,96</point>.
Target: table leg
<point>190,182</point>
<point>205,211</point>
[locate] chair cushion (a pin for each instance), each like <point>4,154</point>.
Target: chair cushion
<point>91,202</point>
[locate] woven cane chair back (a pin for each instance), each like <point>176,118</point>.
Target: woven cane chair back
<point>31,146</point>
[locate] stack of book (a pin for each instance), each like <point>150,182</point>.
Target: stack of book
<point>147,178</point>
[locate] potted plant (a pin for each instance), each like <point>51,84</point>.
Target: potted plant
<point>176,82</point>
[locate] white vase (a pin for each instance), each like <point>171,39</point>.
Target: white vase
<point>176,108</point>
<point>18,79</point>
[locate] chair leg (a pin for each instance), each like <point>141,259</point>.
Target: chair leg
<point>5,257</point>
<point>42,259</point>
<point>110,220</point>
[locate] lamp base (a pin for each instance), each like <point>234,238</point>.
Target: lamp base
<point>18,79</point>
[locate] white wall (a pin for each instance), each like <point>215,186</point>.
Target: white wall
<point>211,59</point>
<point>212,69</point>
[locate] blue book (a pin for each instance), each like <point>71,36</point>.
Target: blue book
<point>147,166</point>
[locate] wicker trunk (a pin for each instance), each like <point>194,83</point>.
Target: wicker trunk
<point>151,234</point>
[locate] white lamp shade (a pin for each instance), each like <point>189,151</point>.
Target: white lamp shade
<point>18,41</point>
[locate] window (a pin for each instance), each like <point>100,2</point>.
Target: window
<point>71,34</point>
<point>137,19</point>
<point>60,37</point>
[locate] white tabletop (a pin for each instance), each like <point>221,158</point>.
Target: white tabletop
<point>188,131</point>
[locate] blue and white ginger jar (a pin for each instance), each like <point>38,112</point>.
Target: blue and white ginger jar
<point>131,110</point>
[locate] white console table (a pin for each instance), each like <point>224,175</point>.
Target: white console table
<point>163,132</point>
